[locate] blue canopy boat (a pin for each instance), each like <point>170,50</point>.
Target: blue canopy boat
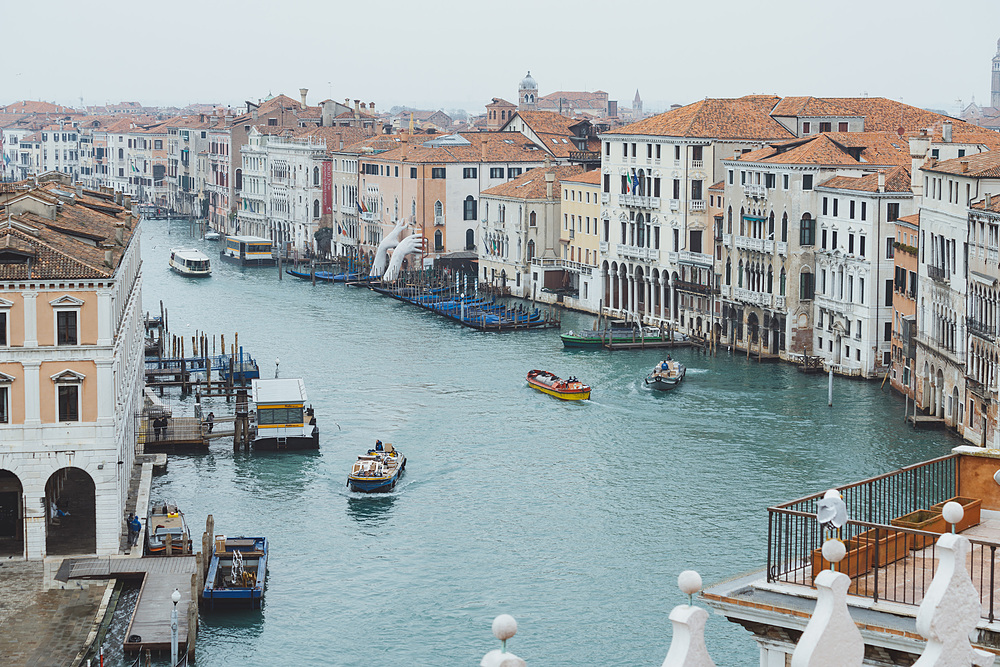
<point>237,572</point>
<point>378,471</point>
<point>330,277</point>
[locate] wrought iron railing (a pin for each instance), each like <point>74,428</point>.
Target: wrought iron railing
<point>885,562</point>
<point>981,329</point>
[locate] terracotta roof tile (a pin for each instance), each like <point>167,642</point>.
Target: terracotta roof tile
<point>592,177</point>
<point>896,180</point>
<point>499,147</point>
<point>741,118</point>
<point>836,148</point>
<point>810,107</point>
<point>531,184</point>
<point>980,165</point>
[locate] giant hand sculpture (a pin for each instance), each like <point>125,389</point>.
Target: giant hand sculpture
<point>410,244</point>
<point>390,241</point>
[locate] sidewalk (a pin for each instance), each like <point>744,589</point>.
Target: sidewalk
<point>42,628</point>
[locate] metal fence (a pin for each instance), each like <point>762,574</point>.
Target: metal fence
<point>885,562</point>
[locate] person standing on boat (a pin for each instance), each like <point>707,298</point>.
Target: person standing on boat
<point>378,445</point>
<point>211,421</point>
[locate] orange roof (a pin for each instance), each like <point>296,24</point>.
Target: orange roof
<point>836,148</point>
<point>741,118</point>
<point>896,180</point>
<point>481,147</point>
<point>531,184</point>
<point>32,106</point>
<point>592,177</point>
<point>549,122</point>
<point>910,219</point>
<point>980,165</point>
<point>809,107</point>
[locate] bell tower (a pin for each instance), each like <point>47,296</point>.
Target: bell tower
<point>527,94</point>
<point>995,88</point>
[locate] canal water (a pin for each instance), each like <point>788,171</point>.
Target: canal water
<point>574,517</point>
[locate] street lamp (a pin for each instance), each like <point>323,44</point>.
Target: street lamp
<point>175,597</point>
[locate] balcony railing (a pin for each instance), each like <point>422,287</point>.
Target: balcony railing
<point>675,204</point>
<point>686,286</point>
<point>603,247</point>
<point>885,562</point>
<point>639,201</point>
<point>981,329</point>
<point>585,156</point>
<point>727,240</point>
<point>782,248</point>
<point>697,164</point>
<point>634,252</point>
<point>369,217</point>
<point>696,258</point>
<point>761,299</point>
<point>697,204</point>
<point>747,243</point>
<point>936,273</point>
<point>553,263</point>
<point>438,219</point>
<point>605,197</point>
<point>756,191</point>
<point>726,291</point>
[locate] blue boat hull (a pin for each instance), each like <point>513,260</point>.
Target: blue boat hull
<point>367,485</point>
<point>253,596</point>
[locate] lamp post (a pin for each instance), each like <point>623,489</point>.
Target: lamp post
<point>175,597</point>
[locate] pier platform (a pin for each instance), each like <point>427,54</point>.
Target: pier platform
<point>926,421</point>
<point>647,344</point>
<point>149,627</point>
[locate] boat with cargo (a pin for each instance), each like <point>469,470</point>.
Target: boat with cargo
<point>620,333</point>
<point>165,526</point>
<point>237,572</point>
<point>570,389</point>
<point>378,471</point>
<point>666,375</point>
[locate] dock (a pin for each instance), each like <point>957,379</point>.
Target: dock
<point>149,627</point>
<point>926,421</point>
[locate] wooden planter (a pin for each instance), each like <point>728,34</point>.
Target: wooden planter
<point>855,563</point>
<point>927,520</point>
<point>892,545</point>
<point>971,507</point>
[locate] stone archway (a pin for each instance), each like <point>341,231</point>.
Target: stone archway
<point>70,513</point>
<point>753,328</point>
<point>11,515</point>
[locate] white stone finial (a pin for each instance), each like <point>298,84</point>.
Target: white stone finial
<point>504,627</point>
<point>953,513</point>
<point>950,610</point>
<point>687,648</point>
<point>834,550</point>
<point>689,582</point>
<point>831,639</point>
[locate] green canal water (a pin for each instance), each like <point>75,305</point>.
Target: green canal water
<point>575,518</point>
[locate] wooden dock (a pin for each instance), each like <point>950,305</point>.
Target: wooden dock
<point>149,627</point>
<point>646,344</point>
<point>926,421</point>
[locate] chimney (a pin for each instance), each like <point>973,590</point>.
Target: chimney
<point>483,147</point>
<point>119,235</point>
<point>881,180</point>
<point>109,258</point>
<point>965,166</point>
<point>340,141</point>
<point>371,108</point>
<point>79,189</point>
<point>201,117</point>
<point>127,201</point>
<point>357,111</point>
<point>550,179</point>
<point>302,96</point>
<point>327,113</point>
<point>946,131</point>
<point>118,198</point>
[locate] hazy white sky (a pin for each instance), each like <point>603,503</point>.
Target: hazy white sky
<point>449,54</point>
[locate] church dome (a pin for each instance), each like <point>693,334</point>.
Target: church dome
<point>528,83</point>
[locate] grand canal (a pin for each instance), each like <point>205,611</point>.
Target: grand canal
<point>573,517</point>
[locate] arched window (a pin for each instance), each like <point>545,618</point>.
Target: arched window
<point>531,251</point>
<point>781,284</point>
<point>532,220</point>
<point>770,227</point>
<point>438,241</point>
<point>729,226</point>
<point>770,279</point>
<point>743,222</point>
<point>729,271</point>
<point>315,208</point>
<point>470,239</point>
<point>784,227</point>
<point>641,227</point>
<point>807,230</point>
<point>239,179</point>
<point>315,175</point>
<point>739,275</point>
<point>470,208</point>
<point>438,213</point>
<point>806,284</point>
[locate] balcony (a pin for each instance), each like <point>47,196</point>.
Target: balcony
<point>754,191</point>
<point>675,204</point>
<point>633,252</point>
<point>782,247</point>
<point>779,303</point>
<point>697,205</point>
<point>369,217</point>
<point>438,219</point>
<point>565,264</point>
<point>697,164</point>
<point>753,298</point>
<point>605,197</point>
<point>695,258</point>
<point>686,286</point>
<point>639,201</point>
<point>590,157</point>
<point>937,273</point>
<point>727,240</point>
<point>603,247</point>
<point>726,291</point>
<point>747,243</point>
<point>981,329</point>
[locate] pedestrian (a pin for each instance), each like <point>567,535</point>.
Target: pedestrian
<point>135,529</point>
<point>157,427</point>
<point>128,524</point>
<point>211,421</point>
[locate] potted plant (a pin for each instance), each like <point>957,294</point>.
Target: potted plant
<point>892,545</point>
<point>971,507</point>
<point>927,520</point>
<point>855,563</point>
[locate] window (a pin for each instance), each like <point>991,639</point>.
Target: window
<point>4,402</point>
<point>413,172</point>
<point>825,207</point>
<point>513,172</point>
<point>784,181</point>
<point>315,208</point>
<point>806,127</point>
<point>607,148</point>
<point>842,127</point>
<point>961,152</point>
<point>469,172</point>
<point>68,396</point>
<point>496,172</point>
<point>158,144</point>
<point>532,219</point>
<point>825,127</point>
<point>807,231</point>
<point>835,204</point>
<point>607,181</point>
<point>730,176</point>
<point>696,188</point>
<point>3,329</point>
<point>850,244</point>
<point>437,172</point>
<point>395,172</point>
<point>890,250</point>
<point>822,239</point>
<point>806,286</point>
<point>66,327</point>
<point>851,212</point>
<point>892,212</point>
<point>696,153</point>
<point>470,208</point>
<point>807,182</point>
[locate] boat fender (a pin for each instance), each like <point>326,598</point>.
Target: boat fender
<point>134,639</point>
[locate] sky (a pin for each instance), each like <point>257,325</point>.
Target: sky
<point>452,55</point>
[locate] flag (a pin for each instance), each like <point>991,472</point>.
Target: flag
<point>628,184</point>
<point>134,168</point>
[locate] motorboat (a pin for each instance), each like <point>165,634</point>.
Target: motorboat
<point>281,417</point>
<point>165,526</point>
<point>237,572</point>
<point>597,338</point>
<point>248,250</point>
<point>190,262</point>
<point>378,471</point>
<point>212,235</point>
<point>666,375</point>
<point>569,390</point>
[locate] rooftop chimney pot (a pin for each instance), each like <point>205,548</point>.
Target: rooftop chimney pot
<point>302,96</point>
<point>946,131</point>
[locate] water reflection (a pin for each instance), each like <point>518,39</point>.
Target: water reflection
<point>371,509</point>
<point>275,474</point>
